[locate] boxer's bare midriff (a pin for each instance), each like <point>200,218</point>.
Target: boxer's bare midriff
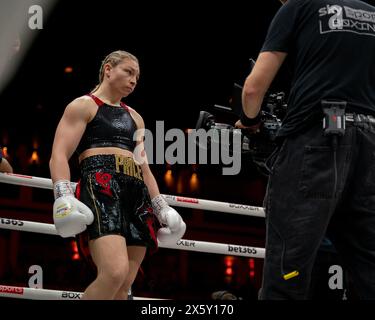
<point>106,150</point>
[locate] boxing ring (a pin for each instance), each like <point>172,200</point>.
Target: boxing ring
<point>184,244</point>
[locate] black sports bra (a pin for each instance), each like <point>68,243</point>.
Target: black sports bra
<point>111,127</point>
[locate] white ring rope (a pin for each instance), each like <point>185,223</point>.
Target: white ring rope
<point>183,244</point>
<point>177,201</point>
<point>189,245</point>
<point>44,294</point>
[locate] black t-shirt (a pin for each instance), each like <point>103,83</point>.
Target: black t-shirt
<point>1,154</point>
<point>331,45</point>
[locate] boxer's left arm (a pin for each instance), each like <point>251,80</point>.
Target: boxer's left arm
<point>174,227</point>
<point>140,155</point>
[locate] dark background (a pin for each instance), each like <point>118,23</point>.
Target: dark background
<point>190,55</point>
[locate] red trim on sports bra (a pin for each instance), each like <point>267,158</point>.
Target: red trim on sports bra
<point>124,106</point>
<point>96,99</point>
<point>100,102</point>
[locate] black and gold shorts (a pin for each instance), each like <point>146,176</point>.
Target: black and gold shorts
<point>112,187</point>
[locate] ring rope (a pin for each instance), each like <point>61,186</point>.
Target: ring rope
<point>45,294</point>
<point>183,244</point>
<point>177,201</point>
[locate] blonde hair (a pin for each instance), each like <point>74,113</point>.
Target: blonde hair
<point>114,58</point>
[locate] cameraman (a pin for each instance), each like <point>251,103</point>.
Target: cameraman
<point>319,176</point>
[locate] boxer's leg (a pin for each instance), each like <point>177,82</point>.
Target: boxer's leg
<point>111,259</point>
<point>136,255</point>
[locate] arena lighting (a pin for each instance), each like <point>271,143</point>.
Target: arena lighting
<point>5,152</point>
<point>35,144</point>
<point>74,247</point>
<point>68,69</point>
<point>251,263</point>
<point>228,261</point>
<point>229,272</point>
<point>252,268</point>
<point>194,182</point>
<point>168,178</point>
<point>34,157</point>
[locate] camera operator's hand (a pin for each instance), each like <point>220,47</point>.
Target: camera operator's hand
<point>252,129</point>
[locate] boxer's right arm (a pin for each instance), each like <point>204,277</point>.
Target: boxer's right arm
<point>68,134</point>
<point>69,214</point>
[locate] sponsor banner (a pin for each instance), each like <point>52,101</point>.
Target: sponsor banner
<point>69,295</point>
<point>243,207</point>
<point>187,200</point>
<point>11,290</point>
<point>186,243</point>
<point>12,222</point>
<point>242,249</point>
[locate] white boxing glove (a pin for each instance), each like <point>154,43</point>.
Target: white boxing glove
<point>70,215</point>
<point>173,226</point>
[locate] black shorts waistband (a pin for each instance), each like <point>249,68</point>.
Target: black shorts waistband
<point>113,163</point>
